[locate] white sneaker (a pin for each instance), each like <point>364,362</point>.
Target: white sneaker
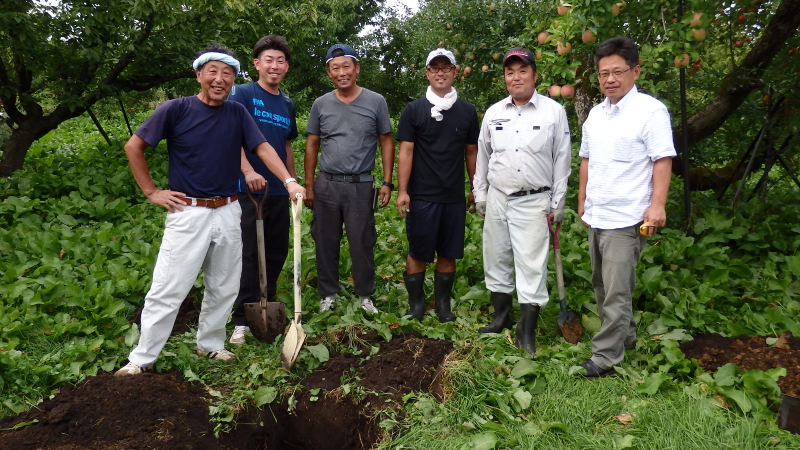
<point>129,369</point>
<point>367,305</point>
<point>326,304</point>
<point>238,334</point>
<point>221,354</point>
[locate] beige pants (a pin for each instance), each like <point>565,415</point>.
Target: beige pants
<point>614,255</point>
<point>516,244</point>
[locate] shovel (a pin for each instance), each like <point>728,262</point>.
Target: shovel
<point>295,336</point>
<point>568,322</point>
<point>266,319</point>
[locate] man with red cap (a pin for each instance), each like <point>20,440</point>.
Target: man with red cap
<point>520,178</point>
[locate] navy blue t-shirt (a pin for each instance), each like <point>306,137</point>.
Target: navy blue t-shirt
<point>275,117</point>
<point>204,144</point>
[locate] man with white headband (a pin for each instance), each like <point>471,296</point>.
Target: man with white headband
<point>346,124</point>
<point>438,136</point>
<point>205,135</point>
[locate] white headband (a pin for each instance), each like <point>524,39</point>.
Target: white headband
<point>216,56</point>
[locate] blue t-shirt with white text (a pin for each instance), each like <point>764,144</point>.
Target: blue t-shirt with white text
<point>275,117</point>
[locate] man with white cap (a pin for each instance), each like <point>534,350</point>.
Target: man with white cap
<point>205,135</point>
<point>438,136</point>
<point>346,124</point>
<point>520,179</point>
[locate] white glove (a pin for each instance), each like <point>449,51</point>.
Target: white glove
<point>480,207</point>
<point>558,213</point>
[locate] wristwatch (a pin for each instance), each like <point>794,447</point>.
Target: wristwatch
<point>289,180</point>
<point>386,183</point>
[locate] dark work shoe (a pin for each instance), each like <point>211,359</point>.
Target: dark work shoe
<point>442,286</point>
<point>502,311</point>
<point>526,327</point>
<point>594,371</point>
<point>416,294</point>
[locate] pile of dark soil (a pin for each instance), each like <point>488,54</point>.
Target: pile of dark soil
<point>163,411</point>
<point>152,410</point>
<point>749,353</point>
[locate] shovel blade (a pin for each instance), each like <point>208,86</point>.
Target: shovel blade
<point>292,344</point>
<point>570,327</point>
<point>267,323</point>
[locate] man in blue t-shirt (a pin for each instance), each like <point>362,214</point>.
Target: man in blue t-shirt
<point>275,116</point>
<point>205,135</point>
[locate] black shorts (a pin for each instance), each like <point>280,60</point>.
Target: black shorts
<point>435,228</point>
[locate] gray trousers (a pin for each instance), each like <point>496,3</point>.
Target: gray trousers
<point>614,255</point>
<point>349,204</point>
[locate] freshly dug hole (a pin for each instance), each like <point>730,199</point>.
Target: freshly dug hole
<point>335,420</point>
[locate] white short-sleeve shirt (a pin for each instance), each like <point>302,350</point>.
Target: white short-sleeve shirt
<point>622,142</point>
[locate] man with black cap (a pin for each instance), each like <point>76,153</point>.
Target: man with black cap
<point>520,179</point>
<point>346,124</point>
<point>438,134</point>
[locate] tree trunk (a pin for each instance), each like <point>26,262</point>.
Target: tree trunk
<point>26,132</point>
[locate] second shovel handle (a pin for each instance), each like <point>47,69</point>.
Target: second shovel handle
<point>297,215</point>
<point>557,250</point>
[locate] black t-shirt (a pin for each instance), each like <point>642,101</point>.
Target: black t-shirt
<point>204,144</point>
<point>437,172</point>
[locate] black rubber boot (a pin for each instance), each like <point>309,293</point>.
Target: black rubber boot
<point>526,327</point>
<point>442,286</point>
<point>502,312</point>
<point>416,294</point>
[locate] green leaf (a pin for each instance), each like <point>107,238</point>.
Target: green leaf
<point>265,394</point>
<point>132,335</point>
<point>320,352</point>
<point>522,397</point>
<point>652,383</point>
<point>623,441</point>
<point>759,383</point>
<point>483,441</point>
<point>739,397</point>
<point>726,375</point>
<point>524,367</point>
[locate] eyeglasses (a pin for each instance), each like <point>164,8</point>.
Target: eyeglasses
<point>616,73</point>
<point>444,69</point>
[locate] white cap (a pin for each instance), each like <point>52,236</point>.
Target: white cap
<point>441,52</point>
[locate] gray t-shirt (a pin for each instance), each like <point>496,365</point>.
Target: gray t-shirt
<point>349,131</point>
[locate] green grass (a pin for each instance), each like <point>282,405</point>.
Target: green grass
<point>78,242</point>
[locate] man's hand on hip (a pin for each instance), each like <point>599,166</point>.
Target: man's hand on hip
<point>169,200</point>
<point>480,208</point>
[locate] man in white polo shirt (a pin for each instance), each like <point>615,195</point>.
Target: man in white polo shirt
<point>520,178</point>
<point>626,164</point>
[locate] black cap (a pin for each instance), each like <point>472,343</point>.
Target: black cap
<point>340,50</point>
<point>522,53</point>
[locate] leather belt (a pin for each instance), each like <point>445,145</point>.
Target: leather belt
<point>215,202</point>
<point>360,178</point>
<point>530,191</point>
